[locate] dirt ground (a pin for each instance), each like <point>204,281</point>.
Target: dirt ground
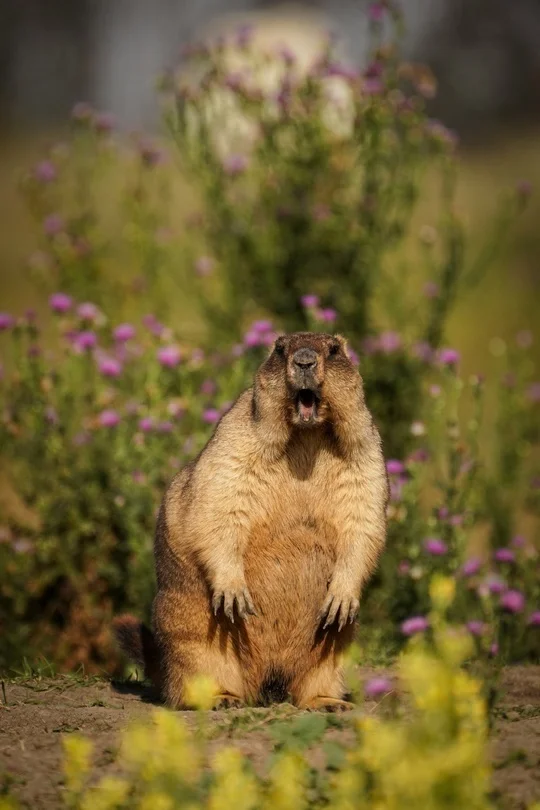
<point>35,714</point>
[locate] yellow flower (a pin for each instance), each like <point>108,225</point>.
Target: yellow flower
<point>201,691</point>
<point>78,751</point>
<point>156,800</point>
<point>442,591</point>
<point>162,747</point>
<point>287,783</point>
<point>110,793</point>
<point>234,787</point>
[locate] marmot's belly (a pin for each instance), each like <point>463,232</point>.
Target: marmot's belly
<point>288,579</point>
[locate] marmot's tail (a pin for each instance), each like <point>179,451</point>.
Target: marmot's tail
<point>135,639</point>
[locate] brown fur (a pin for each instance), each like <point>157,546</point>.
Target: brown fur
<point>275,515</point>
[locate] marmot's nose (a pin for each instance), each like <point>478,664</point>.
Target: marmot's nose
<point>305,358</point>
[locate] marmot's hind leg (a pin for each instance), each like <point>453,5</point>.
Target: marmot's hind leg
<point>182,660</point>
<point>321,686</point>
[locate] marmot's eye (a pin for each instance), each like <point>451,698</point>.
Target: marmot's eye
<point>334,349</point>
<point>279,349</point>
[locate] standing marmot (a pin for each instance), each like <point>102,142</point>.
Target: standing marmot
<point>281,517</point>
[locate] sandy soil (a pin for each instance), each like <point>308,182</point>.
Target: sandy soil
<point>39,712</point>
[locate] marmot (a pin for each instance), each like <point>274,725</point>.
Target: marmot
<point>264,541</point>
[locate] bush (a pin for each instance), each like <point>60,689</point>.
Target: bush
<point>304,202</point>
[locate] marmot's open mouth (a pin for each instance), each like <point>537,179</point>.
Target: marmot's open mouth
<point>306,402</point>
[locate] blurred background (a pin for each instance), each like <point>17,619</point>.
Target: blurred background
<point>98,206</point>
<point>109,53</point>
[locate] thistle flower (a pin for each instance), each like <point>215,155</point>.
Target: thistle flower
<point>45,172</point>
<point>435,547</point>
<point>234,165</point>
<point>169,356</point>
<point>476,627</point>
<point>60,302</point>
<point>389,342</point>
<point>211,416</point>
<point>448,357</point>
<point>533,392</point>
<point>512,601</point>
<point>146,424</point>
<point>310,301</point>
<point>165,427</point>
<point>416,624</point>
<point>395,467</point>
<point>534,619</point>
<point>327,315</point>
<point>53,224</point>
<point>376,12</point>
<point>109,367</point>
<point>88,312</point>
<point>85,340</point>
<point>505,555</point>
<point>6,321</point>
<point>208,388</point>
<point>124,332</point>
<point>109,418</point>
<point>518,541</point>
<point>471,567</point>
<point>376,687</point>
<point>495,584</point>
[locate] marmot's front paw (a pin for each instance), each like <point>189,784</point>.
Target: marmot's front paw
<point>337,602</point>
<point>229,596</point>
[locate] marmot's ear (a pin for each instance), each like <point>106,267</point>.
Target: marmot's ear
<point>342,342</point>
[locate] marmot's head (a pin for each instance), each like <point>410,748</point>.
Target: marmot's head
<point>310,376</point>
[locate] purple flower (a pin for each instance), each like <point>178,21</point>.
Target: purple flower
<point>353,357</point>
<point>211,416</point>
<point>505,555</point>
<point>146,424</point>
<point>435,546</point>
<point>416,624</point>
<point>533,392</point>
<point>389,342</point>
<point>512,601</point>
<point>372,87</point>
<point>60,302</point>
<point>169,356</point>
<point>519,541</point>
<point>534,619</point>
<point>404,567</point>
<point>376,12</point>
<point>235,164</point>
<point>124,332</point>
<point>252,339</point>
<point>448,357</point>
<point>376,687</point>
<point>138,477</point>
<point>327,315</point>
<point>109,367</point>
<point>175,410</point>
<point>104,122</point>
<point>165,427</point>
<point>151,323</point>
<point>87,312</point>
<point>471,567</point>
<point>151,155</point>
<point>395,467</point>
<point>6,321</point>
<point>310,301</point>
<point>494,649</point>
<point>423,351</point>
<point>109,418</point>
<point>262,326</point>
<point>204,265</point>
<point>475,627</point>
<point>45,171</point>
<point>85,340</point>
<point>53,224</point>
<point>495,584</point>
<point>208,387</point>
<point>82,111</point>
<point>51,416</point>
